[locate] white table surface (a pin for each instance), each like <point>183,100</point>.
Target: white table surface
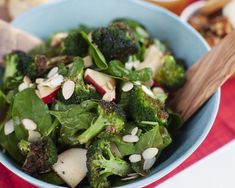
<point>217,170</point>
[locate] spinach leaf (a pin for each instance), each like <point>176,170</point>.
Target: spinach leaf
<point>28,105</point>
<point>95,53</point>
<point>156,137</point>
<point>20,131</point>
<point>9,143</point>
<point>124,148</point>
<point>3,105</point>
<point>117,68</point>
<point>74,120</point>
<point>51,177</point>
<point>175,121</point>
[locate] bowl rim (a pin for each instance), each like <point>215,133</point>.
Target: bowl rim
<point>191,9</point>
<point>152,177</point>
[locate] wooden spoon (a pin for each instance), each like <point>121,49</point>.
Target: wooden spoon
<point>15,39</point>
<point>205,77</point>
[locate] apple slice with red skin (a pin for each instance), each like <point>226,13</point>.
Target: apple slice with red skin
<point>103,83</point>
<point>47,94</point>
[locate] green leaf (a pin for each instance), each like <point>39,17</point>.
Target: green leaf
<point>20,131</point>
<point>3,105</point>
<point>117,68</point>
<point>95,53</point>
<point>28,105</point>
<point>153,138</point>
<point>71,117</point>
<point>73,120</point>
<point>9,143</point>
<point>174,122</point>
<point>51,177</point>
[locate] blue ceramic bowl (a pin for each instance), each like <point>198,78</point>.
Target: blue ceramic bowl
<point>185,42</point>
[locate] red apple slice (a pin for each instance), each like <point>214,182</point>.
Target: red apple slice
<point>47,94</point>
<point>103,83</point>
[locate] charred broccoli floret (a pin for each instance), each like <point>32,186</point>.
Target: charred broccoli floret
<point>74,44</point>
<point>116,42</point>
<point>18,63</point>
<point>171,75</point>
<point>137,27</point>
<point>145,108</point>
<point>82,91</point>
<point>41,155</point>
<point>110,117</point>
<point>140,33</point>
<point>101,164</point>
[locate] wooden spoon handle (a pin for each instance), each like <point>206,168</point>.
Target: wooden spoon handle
<point>204,77</point>
<point>15,39</point>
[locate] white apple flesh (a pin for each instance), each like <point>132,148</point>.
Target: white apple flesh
<point>153,59</point>
<point>47,94</point>
<point>103,83</point>
<point>71,166</point>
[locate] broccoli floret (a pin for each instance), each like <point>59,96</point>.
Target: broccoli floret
<point>171,75</point>
<point>101,164</point>
<point>140,33</point>
<point>41,156</point>
<point>74,44</point>
<point>145,108</point>
<point>18,63</point>
<point>45,49</point>
<point>24,147</point>
<point>110,117</point>
<point>116,42</point>
<point>82,91</point>
<point>137,27</point>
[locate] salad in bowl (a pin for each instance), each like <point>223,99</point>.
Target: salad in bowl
<point>88,107</point>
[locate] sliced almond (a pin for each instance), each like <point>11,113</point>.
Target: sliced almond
<point>130,138</point>
<point>148,163</point>
<point>23,86</point>
<point>27,80</point>
<point>88,61</point>
<point>148,91</point>
<point>138,83</point>
<point>134,131</point>
<point>52,72</point>
<point>150,153</point>
<point>130,178</point>
<point>29,124</point>
<point>127,86</point>
<point>56,81</point>
<point>68,89</point>
<point>33,136</point>
<point>9,127</point>
<point>134,158</point>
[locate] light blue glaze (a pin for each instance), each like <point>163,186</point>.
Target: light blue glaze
<point>185,42</point>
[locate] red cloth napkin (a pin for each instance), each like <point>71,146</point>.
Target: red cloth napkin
<point>222,132</point>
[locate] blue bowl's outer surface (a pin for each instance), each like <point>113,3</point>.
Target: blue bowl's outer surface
<point>185,42</point>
